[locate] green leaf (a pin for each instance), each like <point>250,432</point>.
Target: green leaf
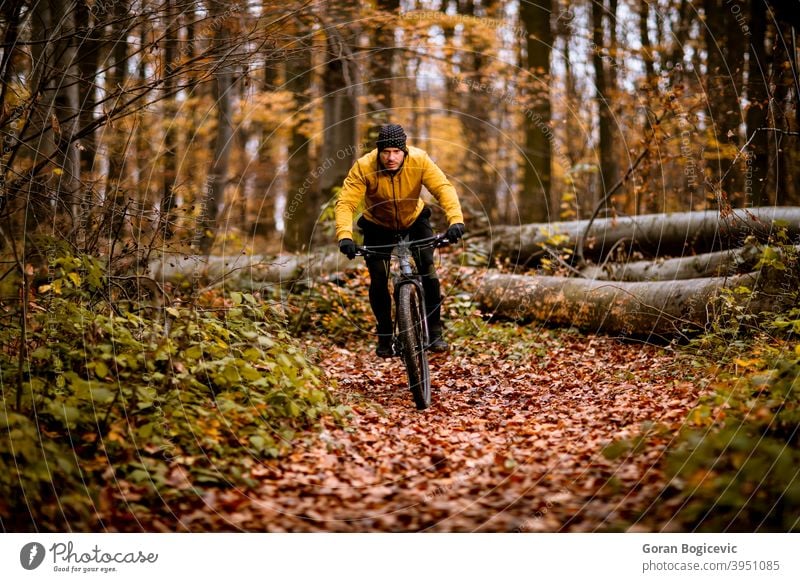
<point>284,361</point>
<point>258,442</point>
<point>71,415</point>
<point>615,449</point>
<point>147,397</point>
<point>102,395</point>
<point>94,274</point>
<point>193,353</point>
<point>231,374</point>
<point>139,476</point>
<point>263,444</point>
<point>265,341</point>
<point>41,353</point>
<point>249,372</point>
<point>100,369</point>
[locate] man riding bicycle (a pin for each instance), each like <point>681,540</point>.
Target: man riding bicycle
<point>389,180</point>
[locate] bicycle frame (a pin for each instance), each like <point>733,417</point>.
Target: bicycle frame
<point>406,274</point>
<point>410,322</point>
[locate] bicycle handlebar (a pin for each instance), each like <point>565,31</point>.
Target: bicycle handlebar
<point>437,241</point>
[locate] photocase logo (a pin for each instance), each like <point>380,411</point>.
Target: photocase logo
<point>31,555</point>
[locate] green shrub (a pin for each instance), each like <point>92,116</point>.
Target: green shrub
<point>109,394</point>
<point>736,468</point>
<point>338,305</point>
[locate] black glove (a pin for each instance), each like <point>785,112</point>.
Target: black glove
<point>347,247</point>
<point>455,232</point>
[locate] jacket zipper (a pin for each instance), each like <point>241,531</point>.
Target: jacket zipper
<point>396,210</point>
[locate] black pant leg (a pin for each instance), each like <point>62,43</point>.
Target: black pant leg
<point>380,299</point>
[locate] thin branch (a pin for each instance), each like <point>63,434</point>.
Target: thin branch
<point>718,185</point>
<point>152,284</point>
<point>611,251</point>
<point>777,130</point>
<point>563,263</point>
<point>600,205</point>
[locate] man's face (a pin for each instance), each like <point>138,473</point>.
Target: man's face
<point>391,158</point>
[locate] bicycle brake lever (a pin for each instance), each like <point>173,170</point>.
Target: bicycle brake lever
<point>442,241</point>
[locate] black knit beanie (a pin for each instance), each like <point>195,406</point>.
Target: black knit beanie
<point>391,135</point>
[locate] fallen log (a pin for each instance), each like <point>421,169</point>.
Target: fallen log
<point>721,263</point>
<point>675,234</point>
<point>246,272</point>
<point>664,308</point>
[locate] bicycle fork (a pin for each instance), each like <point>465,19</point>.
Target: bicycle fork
<point>410,279</point>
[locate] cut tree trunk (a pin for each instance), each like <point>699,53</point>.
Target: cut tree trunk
<point>676,234</point>
<point>720,263</point>
<point>662,309</point>
<point>533,203</point>
<point>247,272</point>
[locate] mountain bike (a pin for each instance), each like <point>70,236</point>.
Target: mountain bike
<point>410,334</point>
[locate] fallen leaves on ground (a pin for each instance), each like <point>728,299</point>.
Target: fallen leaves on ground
<point>517,439</point>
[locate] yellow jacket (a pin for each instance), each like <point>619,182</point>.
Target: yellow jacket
<point>393,201</point>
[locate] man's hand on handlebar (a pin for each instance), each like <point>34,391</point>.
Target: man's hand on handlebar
<point>455,232</point>
<point>347,247</point>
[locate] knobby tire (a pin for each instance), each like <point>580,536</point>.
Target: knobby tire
<point>411,331</point>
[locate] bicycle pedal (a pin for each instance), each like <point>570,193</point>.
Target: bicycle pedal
<point>384,351</point>
<point>438,346</point>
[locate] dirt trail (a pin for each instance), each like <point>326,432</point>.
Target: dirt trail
<point>512,442</point>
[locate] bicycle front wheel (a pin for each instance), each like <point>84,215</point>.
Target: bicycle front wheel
<point>411,332</point>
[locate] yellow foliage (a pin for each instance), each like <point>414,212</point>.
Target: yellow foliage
<point>446,144</point>
<point>269,110</point>
<point>715,150</point>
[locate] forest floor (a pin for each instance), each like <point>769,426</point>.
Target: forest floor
<point>518,438</point>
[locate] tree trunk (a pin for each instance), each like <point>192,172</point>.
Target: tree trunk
<point>725,60</point>
<point>608,163</point>
<point>757,160</point>
<point>380,86</point>
<point>88,59</point>
<point>650,78</point>
<point>573,205</point>
<point>721,263</point>
<point>660,309</point>
<point>54,115</point>
<point>214,195</point>
<point>115,84</point>
<point>680,233</point>
<point>12,16</point>
<point>534,200</point>
<point>339,109</point>
<point>249,272</point>
<point>167,153</point>
<point>682,26</point>
<point>297,228</point>
<point>479,105</point>
<point>783,180</point>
